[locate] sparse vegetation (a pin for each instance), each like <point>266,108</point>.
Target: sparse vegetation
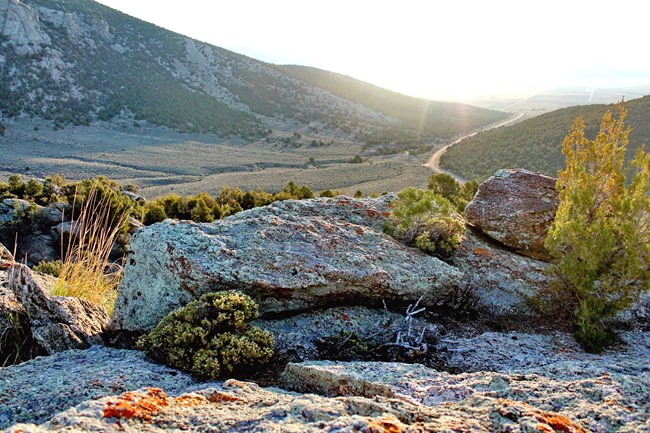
<point>446,186</point>
<point>426,220</point>
<point>86,270</point>
<point>211,337</point>
<point>536,144</point>
<point>50,268</point>
<point>601,233</point>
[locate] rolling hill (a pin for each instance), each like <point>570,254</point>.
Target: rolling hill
<point>536,143</point>
<point>73,62</point>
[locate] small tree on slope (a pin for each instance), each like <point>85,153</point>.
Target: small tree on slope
<point>601,233</point>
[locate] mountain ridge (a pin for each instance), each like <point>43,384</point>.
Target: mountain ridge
<point>74,62</point>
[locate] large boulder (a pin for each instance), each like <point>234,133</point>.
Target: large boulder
<point>515,207</point>
<point>289,256</point>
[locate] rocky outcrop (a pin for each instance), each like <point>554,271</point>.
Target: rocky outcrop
<point>515,207</point>
<point>35,390</point>
<point>38,239</point>
<point>500,280</point>
<point>567,392</point>
<point>290,256</point>
<point>55,323</point>
<point>21,25</point>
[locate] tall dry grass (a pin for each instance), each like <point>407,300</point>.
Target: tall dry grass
<point>87,271</point>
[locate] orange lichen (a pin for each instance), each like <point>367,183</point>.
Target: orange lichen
<point>385,424</point>
<point>359,231</point>
<point>135,404</point>
<point>483,252</point>
<point>191,400</point>
<point>221,397</point>
<point>548,422</point>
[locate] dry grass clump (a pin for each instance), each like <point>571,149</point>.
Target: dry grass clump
<point>87,271</point>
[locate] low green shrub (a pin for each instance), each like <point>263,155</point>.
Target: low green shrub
<point>426,220</point>
<point>211,338</point>
<point>51,268</point>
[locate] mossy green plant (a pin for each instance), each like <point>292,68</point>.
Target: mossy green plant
<point>426,220</point>
<point>211,337</point>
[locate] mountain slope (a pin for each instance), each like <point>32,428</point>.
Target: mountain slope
<point>536,144</point>
<point>77,61</point>
<point>430,118</point>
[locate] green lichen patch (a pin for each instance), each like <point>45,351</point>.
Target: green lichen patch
<point>211,338</point>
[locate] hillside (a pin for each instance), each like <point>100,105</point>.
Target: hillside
<point>418,116</point>
<point>536,144</point>
<point>73,62</point>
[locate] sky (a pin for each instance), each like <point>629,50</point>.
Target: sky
<point>451,49</point>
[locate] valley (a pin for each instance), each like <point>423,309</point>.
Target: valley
<point>161,161</point>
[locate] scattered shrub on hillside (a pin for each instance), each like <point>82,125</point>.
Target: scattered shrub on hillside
<point>426,220</point>
<point>154,214</point>
<point>356,160</point>
<point>201,212</point>
<point>16,185</point>
<point>601,233</point>
<point>50,268</point>
<point>444,185</point>
<point>211,337</point>
<point>33,188</point>
<point>448,187</point>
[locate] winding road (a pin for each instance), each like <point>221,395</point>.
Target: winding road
<point>434,161</point>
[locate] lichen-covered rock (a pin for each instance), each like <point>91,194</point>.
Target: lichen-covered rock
<point>500,280</point>
<point>305,336</point>
<point>56,323</point>
<point>36,390</point>
<point>289,257</point>
<point>516,208</point>
<point>568,391</point>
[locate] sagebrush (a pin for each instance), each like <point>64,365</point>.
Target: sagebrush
<point>211,337</point>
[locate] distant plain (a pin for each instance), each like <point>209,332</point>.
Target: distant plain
<point>160,161</point>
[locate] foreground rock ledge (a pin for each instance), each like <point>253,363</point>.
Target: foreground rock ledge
<point>290,257</point>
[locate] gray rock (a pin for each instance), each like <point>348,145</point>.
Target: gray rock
<point>16,342</point>
<point>39,247</point>
<point>610,392</point>
<point>300,337</point>
<point>36,390</point>
<point>515,207</point>
<point>386,397</point>
<point>289,257</point>
<point>6,257</point>
<point>134,225</point>
<point>501,280</point>
<point>133,196</point>
<point>11,209</point>
<point>53,213</point>
<point>56,323</point>
<point>20,26</point>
